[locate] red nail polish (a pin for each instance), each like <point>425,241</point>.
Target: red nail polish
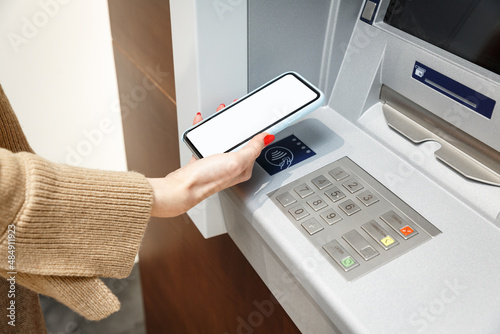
<point>198,114</point>
<point>268,139</point>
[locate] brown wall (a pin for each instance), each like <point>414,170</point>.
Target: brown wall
<point>190,285</point>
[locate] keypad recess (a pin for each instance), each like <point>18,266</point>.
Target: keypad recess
<point>351,218</point>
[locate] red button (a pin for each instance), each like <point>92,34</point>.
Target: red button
<point>407,230</point>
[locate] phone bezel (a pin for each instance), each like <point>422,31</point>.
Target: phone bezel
<point>195,151</point>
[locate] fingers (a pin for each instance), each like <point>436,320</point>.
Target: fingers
<point>221,106</point>
<point>197,118</point>
<point>251,151</point>
<point>268,139</point>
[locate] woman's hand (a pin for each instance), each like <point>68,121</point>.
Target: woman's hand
<point>184,188</point>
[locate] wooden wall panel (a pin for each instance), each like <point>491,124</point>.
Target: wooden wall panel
<point>190,284</point>
<point>149,120</point>
<point>193,285</point>
<point>141,29</point>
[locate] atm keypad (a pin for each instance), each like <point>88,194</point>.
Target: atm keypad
<point>357,223</point>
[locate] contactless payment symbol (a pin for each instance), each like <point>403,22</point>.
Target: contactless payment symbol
<point>280,157</point>
<point>284,154</point>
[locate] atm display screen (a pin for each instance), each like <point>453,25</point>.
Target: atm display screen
<point>468,28</point>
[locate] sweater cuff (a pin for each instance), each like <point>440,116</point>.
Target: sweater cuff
<point>80,222</point>
<point>88,296</point>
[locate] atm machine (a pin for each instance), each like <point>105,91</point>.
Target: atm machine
<point>386,216</point>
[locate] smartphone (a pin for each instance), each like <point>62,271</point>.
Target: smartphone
<point>270,108</point>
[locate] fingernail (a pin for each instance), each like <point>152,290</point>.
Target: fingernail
<point>198,114</point>
<point>268,139</point>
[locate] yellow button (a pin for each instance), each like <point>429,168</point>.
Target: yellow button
<point>387,241</point>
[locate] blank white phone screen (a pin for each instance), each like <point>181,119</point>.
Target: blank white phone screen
<point>251,115</point>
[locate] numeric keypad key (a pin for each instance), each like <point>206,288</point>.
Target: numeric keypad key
<point>298,212</point>
<point>349,207</point>
<point>321,182</point>
<point>335,194</point>
<point>303,190</point>
<point>317,203</point>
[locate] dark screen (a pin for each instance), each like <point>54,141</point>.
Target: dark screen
<point>468,28</point>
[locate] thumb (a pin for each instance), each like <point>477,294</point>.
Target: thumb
<point>256,144</point>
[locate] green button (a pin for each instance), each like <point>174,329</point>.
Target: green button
<point>347,262</point>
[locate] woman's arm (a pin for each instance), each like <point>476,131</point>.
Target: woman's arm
<point>184,188</point>
<point>71,220</point>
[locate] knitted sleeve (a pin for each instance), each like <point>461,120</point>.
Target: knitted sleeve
<point>70,221</point>
<point>11,135</point>
<point>67,225</point>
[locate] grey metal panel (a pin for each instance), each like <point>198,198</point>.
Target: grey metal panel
<point>343,17</point>
<point>462,264</point>
<point>310,37</point>
<point>285,35</point>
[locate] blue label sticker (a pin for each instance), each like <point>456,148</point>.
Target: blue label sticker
<point>284,154</point>
<point>453,89</point>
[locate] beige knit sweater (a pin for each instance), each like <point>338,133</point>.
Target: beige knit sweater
<point>72,225</point>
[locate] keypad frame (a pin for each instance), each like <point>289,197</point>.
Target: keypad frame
<point>386,201</point>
